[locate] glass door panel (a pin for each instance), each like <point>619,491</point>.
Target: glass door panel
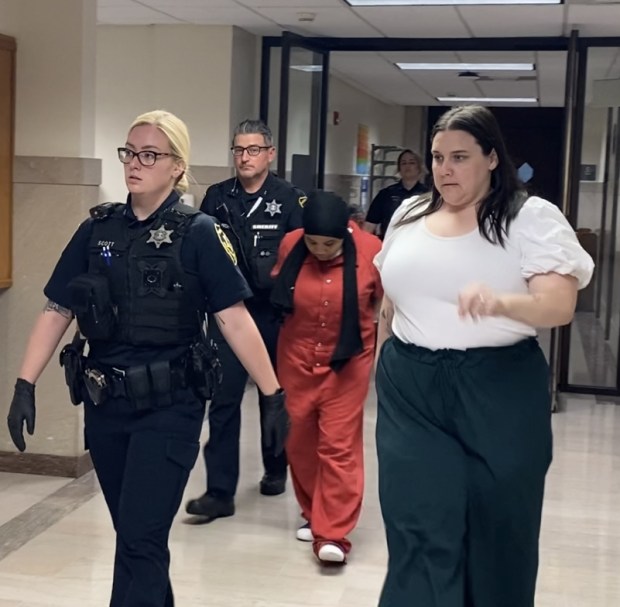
<point>595,332</point>
<point>302,110</point>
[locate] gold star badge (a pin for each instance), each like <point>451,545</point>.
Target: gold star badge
<point>160,236</point>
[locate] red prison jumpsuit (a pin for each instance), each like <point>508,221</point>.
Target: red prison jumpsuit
<point>325,445</point>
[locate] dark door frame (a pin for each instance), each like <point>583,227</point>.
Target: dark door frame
<point>318,130</point>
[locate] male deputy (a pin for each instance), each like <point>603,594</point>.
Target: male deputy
<point>255,209</point>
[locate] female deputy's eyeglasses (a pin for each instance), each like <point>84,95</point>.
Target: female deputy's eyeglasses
<point>252,150</point>
<point>146,158</point>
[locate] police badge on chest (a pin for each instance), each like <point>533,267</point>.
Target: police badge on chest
<point>273,208</point>
<point>160,236</point>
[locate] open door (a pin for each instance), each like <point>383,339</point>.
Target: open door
<point>304,81</point>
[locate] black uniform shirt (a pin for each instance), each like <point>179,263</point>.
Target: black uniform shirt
<point>388,200</point>
<point>202,253</point>
<point>256,223</point>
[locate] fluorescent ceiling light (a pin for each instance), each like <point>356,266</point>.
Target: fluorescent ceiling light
<point>444,2</point>
<point>307,68</point>
<point>488,99</point>
<point>469,67</point>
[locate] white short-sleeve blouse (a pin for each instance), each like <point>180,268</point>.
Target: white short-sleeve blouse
<point>423,274</point>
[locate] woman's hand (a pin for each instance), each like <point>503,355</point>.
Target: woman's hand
<point>551,301</point>
<point>478,300</point>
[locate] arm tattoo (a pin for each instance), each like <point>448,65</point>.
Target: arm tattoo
<point>52,306</point>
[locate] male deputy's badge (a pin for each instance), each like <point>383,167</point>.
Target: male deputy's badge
<point>273,208</point>
<point>302,201</point>
<point>159,237</point>
<point>226,244</point>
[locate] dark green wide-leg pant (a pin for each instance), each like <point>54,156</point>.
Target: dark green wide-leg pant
<point>464,443</point>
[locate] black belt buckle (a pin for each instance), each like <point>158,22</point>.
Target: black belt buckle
<point>96,385</point>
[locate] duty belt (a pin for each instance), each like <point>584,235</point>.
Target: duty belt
<point>145,386</point>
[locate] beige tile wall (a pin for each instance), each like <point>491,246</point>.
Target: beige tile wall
<point>51,197</point>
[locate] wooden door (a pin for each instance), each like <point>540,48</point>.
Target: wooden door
<point>7,122</point>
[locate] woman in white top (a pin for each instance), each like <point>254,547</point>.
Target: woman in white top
<point>463,428</point>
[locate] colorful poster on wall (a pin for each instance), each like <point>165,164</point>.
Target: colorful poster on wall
<point>362,164</point>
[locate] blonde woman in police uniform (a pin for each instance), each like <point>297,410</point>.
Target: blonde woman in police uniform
<point>139,277</point>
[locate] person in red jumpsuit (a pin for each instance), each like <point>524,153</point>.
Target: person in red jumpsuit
<point>327,289</point>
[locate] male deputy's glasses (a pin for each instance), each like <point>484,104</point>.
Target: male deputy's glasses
<point>146,158</point>
<point>252,150</point>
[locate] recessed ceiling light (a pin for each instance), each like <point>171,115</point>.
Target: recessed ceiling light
<point>307,68</point>
<point>487,99</point>
<point>445,2</point>
<point>469,67</point>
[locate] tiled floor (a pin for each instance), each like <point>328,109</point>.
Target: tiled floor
<point>253,559</point>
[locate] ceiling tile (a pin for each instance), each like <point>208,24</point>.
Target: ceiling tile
<point>513,21</point>
<point>241,17</point>
<point>599,20</point>
<point>132,15</point>
<point>206,4</point>
<point>338,22</point>
<point>297,4</point>
<point>415,21</point>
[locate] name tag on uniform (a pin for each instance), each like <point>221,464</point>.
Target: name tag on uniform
<point>265,226</point>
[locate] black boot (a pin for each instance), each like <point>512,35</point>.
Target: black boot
<point>273,484</point>
<point>211,507</point>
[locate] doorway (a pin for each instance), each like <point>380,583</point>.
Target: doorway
<point>561,147</point>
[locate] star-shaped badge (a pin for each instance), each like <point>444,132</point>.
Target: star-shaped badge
<point>273,208</point>
<point>160,236</point>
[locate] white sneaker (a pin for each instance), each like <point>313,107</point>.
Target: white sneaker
<point>331,553</point>
<point>304,533</point>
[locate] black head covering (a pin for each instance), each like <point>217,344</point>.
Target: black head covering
<point>325,214</point>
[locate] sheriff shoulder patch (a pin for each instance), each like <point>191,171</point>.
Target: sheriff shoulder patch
<point>226,244</point>
<point>302,201</point>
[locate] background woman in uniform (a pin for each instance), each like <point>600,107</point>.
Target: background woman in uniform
<point>328,288</point>
<point>412,171</point>
<point>464,428</point>
<point>139,277</point>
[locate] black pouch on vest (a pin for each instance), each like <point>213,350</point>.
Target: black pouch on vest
<point>138,386</point>
<point>263,259</point>
<point>92,306</point>
<point>72,360</point>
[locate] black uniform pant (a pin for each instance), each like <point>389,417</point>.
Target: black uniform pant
<point>143,460</point>
<point>221,452</point>
<point>464,443</point>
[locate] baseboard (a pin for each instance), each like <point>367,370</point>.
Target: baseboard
<point>47,465</point>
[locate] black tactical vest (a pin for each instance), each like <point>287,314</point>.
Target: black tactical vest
<point>155,301</point>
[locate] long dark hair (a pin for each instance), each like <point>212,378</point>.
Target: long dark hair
<point>507,195</point>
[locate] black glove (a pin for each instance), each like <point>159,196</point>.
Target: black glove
<point>22,410</point>
<point>274,420</point>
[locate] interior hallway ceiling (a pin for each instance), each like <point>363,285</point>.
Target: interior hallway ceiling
<point>376,72</point>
